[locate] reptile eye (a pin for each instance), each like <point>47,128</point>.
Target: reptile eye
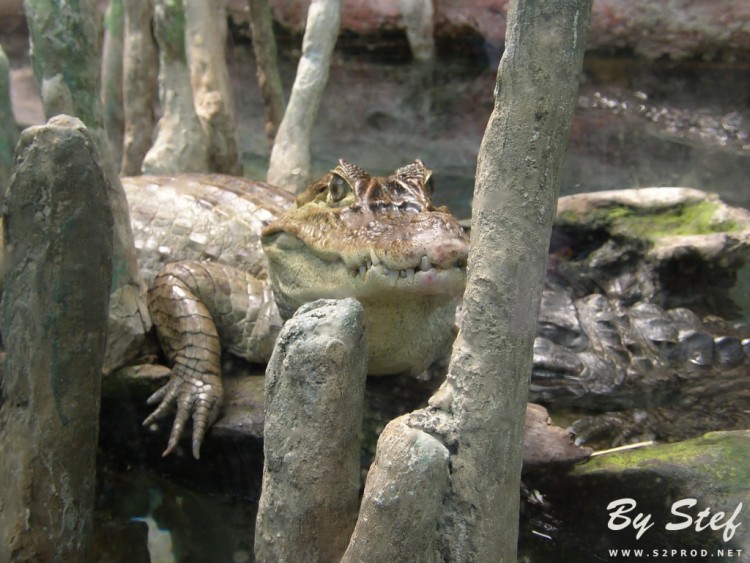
<point>338,188</point>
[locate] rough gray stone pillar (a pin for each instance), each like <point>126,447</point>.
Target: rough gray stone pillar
<point>403,498</point>
<point>58,235</point>
<point>314,394</point>
<point>65,55</point>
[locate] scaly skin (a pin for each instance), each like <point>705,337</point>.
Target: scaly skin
<point>198,309</point>
<point>603,343</point>
<point>201,217</point>
<point>350,234</point>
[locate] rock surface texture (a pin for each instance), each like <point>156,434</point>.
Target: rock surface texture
<point>705,480</point>
<point>314,390</point>
<point>58,232</point>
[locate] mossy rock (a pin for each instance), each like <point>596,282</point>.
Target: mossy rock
<point>717,459</point>
<point>713,471</point>
<point>670,221</point>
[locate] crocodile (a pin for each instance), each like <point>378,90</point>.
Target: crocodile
<point>380,240</point>
<point>630,344</point>
<point>249,254</point>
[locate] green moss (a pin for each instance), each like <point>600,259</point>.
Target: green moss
<point>720,457</point>
<point>689,218</point>
<point>170,28</point>
<point>114,20</point>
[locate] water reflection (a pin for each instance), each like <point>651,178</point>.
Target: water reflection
<point>150,518</point>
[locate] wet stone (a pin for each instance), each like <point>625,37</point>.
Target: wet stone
<point>697,348</point>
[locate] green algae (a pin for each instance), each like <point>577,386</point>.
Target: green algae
<point>697,217</point>
<point>719,457</point>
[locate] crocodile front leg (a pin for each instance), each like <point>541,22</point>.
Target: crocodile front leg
<point>198,308</point>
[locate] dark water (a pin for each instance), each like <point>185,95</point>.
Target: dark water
<point>638,124</point>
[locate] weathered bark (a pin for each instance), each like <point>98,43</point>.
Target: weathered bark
<point>517,183</point>
<point>480,410</point>
<point>205,35</point>
<point>313,406</point>
<point>267,68</point>
<point>181,144</point>
<point>8,127</point>
<point>289,167</point>
<point>403,498</point>
<point>54,317</point>
<point>140,71</point>
<point>419,18</point>
<point>65,55</point>
<point>112,64</point>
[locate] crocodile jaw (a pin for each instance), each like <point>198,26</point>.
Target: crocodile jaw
<point>300,275</point>
<point>409,314</point>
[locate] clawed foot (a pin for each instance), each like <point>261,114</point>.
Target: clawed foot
<point>196,395</point>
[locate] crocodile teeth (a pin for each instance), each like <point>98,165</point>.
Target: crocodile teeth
<point>374,257</point>
<point>425,264</point>
<point>392,275</point>
<point>410,275</point>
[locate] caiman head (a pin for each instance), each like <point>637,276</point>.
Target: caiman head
<point>381,241</point>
